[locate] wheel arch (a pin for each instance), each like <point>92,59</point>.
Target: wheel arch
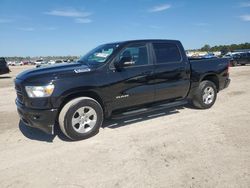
<point>213,78</point>
<point>88,93</point>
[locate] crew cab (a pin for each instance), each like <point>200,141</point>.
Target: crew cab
<point>112,78</point>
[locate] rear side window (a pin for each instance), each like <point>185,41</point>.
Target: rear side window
<point>246,55</point>
<point>243,55</point>
<point>166,53</point>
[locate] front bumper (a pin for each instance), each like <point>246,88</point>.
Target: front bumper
<point>224,83</point>
<point>4,71</point>
<point>40,119</point>
<point>227,82</point>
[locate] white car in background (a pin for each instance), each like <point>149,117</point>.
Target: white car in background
<point>12,63</point>
<point>20,63</point>
<point>39,62</point>
<point>51,62</point>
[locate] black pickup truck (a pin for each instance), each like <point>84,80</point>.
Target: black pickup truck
<point>112,78</point>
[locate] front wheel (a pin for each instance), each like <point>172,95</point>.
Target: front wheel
<point>81,118</point>
<point>205,95</point>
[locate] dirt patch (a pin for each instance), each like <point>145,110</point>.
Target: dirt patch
<point>234,93</point>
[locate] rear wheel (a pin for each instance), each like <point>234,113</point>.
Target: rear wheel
<point>81,118</point>
<point>205,95</point>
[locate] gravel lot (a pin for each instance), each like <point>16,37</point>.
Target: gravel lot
<point>182,147</point>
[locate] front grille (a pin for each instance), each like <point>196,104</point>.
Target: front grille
<point>19,93</point>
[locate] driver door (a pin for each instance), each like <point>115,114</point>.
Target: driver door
<point>133,84</point>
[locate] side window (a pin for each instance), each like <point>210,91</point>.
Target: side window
<point>166,53</point>
<point>137,54</point>
<point>244,55</point>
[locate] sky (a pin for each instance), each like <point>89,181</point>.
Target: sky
<point>73,27</point>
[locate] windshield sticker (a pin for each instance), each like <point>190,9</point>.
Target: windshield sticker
<point>104,55</point>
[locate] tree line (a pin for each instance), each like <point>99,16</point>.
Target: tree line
<point>225,48</point>
<point>222,48</point>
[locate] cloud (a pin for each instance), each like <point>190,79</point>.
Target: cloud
<point>26,28</point>
<point>4,20</point>
<point>245,4</point>
<point>79,16</point>
<point>68,13</point>
<point>83,20</point>
<point>245,17</point>
<point>160,8</point>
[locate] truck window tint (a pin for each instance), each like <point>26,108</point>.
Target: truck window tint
<point>166,52</point>
<point>137,54</point>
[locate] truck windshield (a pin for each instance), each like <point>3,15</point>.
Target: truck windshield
<point>99,55</point>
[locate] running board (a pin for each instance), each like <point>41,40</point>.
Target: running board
<point>144,110</point>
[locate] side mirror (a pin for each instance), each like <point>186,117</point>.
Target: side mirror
<point>124,62</point>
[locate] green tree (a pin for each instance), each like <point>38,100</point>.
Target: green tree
<point>206,48</point>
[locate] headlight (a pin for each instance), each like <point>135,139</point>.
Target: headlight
<point>39,91</point>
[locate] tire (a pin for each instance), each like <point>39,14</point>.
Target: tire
<point>205,95</point>
<point>234,64</point>
<point>81,118</point>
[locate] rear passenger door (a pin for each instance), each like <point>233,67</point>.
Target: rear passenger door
<point>172,72</point>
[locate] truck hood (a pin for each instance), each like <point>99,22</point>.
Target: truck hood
<point>53,72</point>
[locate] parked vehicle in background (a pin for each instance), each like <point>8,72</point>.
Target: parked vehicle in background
<point>32,63</point>
<point>233,58</point>
<point>39,61</point>
<point>51,62</point>
<point>26,62</point>
<point>20,63</point>
<point>209,56</point>
<point>4,69</point>
<point>71,60</point>
<point>115,78</point>
<point>58,61</point>
<point>242,58</point>
<point>42,64</point>
<point>12,63</point>
<point>238,58</point>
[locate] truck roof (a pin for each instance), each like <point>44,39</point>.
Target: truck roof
<point>145,40</point>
